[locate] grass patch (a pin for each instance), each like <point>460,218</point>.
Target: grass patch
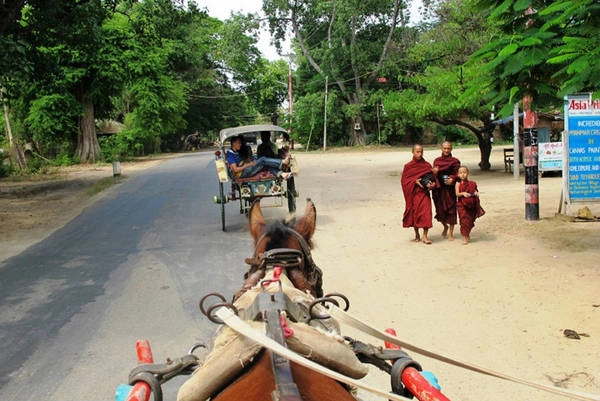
<point>103,184</point>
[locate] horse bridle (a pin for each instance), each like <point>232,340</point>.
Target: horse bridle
<point>287,258</point>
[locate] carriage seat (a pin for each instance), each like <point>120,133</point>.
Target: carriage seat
<point>260,176</point>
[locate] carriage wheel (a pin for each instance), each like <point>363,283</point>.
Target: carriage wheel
<point>291,194</point>
<point>222,194</point>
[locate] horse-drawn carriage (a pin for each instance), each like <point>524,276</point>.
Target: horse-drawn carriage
<point>262,185</point>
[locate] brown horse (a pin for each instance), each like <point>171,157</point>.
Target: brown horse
<point>293,234</point>
<point>266,376</point>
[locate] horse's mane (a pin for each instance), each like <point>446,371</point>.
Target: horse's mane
<point>277,234</point>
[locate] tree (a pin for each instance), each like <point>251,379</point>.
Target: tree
<point>268,90</point>
<point>63,39</point>
<point>437,87</point>
<point>346,41</point>
<point>543,49</point>
<point>577,56</point>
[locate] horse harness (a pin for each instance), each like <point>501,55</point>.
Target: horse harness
<point>271,305</point>
<point>298,264</point>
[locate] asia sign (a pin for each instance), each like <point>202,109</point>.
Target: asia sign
<point>582,148</point>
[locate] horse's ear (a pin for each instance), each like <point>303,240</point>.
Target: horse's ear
<point>257,220</point>
<point>306,224</point>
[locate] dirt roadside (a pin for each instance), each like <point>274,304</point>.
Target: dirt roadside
<point>32,209</point>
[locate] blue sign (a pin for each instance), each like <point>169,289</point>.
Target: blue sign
<point>582,116</point>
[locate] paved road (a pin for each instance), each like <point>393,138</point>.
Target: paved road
<point>134,265</point>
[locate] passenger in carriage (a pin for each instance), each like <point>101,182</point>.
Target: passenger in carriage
<point>265,149</point>
<point>245,168</point>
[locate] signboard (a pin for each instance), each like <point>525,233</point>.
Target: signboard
<point>550,156</point>
<point>582,145</point>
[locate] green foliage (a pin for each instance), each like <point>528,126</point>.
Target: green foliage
<point>545,49</point>
<point>269,88</point>
<point>50,119</point>
<point>6,170</point>
<point>454,134</point>
<point>347,42</point>
<point>65,159</point>
<point>158,67</point>
<point>115,147</point>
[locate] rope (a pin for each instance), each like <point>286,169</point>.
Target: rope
<point>350,320</point>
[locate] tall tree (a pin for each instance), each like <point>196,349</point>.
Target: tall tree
<point>268,90</point>
<point>65,37</point>
<point>347,41</point>
<point>436,90</point>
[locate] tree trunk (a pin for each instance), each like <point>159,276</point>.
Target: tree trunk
<point>484,140</point>
<point>357,132</point>
<point>485,147</point>
<point>15,149</point>
<point>484,137</point>
<point>88,149</point>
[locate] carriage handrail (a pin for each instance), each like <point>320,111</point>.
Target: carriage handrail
<point>414,380</point>
<point>141,390</point>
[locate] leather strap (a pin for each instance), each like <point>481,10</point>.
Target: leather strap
<point>237,324</point>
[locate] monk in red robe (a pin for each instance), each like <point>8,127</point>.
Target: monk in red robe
<point>445,168</point>
<point>416,186</point>
<point>468,204</point>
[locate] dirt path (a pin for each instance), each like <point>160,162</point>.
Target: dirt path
<point>501,302</point>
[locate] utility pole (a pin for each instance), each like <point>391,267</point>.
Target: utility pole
<point>516,148</point>
<point>290,92</point>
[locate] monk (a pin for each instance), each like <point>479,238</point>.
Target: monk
<point>468,204</point>
<point>445,168</point>
<point>416,186</point>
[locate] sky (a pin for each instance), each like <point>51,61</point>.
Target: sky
<point>222,9</point>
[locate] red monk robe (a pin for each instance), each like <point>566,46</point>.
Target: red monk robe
<point>418,202</point>
<point>444,197</point>
<point>468,208</point>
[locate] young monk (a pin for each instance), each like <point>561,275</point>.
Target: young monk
<point>445,168</point>
<point>468,205</point>
<point>417,213</point>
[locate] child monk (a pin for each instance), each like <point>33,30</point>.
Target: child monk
<point>468,205</point>
<point>416,187</point>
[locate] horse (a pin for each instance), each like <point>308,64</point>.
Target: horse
<point>258,374</point>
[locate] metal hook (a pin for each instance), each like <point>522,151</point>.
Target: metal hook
<point>342,297</point>
<point>216,319</point>
<point>195,347</point>
<point>204,298</point>
<point>321,301</point>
